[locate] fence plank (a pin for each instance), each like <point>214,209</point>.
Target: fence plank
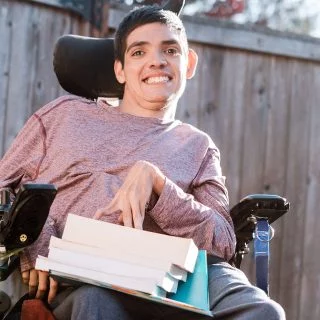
<point>255,127</point>
<point>251,38</point>
<point>232,103</point>
<point>310,287</point>
<point>49,25</point>
<point>22,62</point>
<point>187,110</point>
<point>296,183</point>
<point>209,107</point>
<point>5,56</point>
<point>276,154</point>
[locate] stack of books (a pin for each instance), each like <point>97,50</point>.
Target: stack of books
<point>162,268</point>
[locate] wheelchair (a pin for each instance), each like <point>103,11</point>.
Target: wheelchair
<point>22,219</point>
<point>82,76</point>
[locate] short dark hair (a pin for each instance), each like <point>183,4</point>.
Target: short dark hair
<point>145,15</point>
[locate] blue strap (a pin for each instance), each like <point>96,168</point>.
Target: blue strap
<point>261,252</point>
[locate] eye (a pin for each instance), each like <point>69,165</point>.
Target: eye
<point>172,51</point>
<point>138,53</point>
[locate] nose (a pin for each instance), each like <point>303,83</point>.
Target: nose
<point>158,59</point>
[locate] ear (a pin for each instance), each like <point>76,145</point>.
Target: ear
<point>192,63</point>
<point>119,72</point>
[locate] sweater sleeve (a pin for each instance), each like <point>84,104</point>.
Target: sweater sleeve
<point>23,159</point>
<point>20,165</point>
<point>201,214</point>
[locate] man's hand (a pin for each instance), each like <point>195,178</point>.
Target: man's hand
<point>133,196</point>
<point>38,282</point>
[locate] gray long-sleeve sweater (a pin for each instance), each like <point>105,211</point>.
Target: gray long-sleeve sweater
<point>86,148</point>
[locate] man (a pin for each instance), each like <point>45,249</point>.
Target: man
<point>137,166</point>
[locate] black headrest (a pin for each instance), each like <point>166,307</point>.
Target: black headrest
<point>84,65</point>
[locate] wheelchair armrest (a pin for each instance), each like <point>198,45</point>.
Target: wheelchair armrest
<point>246,213</point>
<point>21,222</point>
<point>270,207</point>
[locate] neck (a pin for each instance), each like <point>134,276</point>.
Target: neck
<point>160,111</point>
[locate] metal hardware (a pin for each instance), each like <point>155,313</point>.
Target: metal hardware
<point>23,237</point>
<point>264,236</point>
<point>262,253</point>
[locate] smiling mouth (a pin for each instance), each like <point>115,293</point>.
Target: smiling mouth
<point>156,80</point>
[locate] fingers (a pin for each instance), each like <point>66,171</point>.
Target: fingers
<point>38,284</point>
<point>117,204</point>
<point>137,220</point>
<point>99,213</point>
<point>33,282</point>
<point>53,290</point>
<point>42,285</point>
<point>136,215</point>
<point>127,215</point>
<point>132,196</point>
<point>132,211</point>
<point>25,276</point>
<point>105,211</point>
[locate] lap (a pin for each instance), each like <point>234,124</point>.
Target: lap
<point>90,302</point>
<point>231,296</point>
<point>226,281</point>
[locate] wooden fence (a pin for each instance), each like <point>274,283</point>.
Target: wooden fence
<point>256,92</point>
<point>28,32</point>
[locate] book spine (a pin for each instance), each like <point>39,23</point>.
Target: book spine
<point>195,290</point>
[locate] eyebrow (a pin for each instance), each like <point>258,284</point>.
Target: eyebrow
<point>137,44</point>
<point>142,43</point>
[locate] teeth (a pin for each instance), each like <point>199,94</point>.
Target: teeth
<point>157,79</point>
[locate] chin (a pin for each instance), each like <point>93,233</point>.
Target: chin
<point>160,104</point>
<point>160,98</point>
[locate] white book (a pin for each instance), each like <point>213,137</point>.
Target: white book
<point>113,267</point>
<point>175,271</point>
<point>143,284</point>
<point>144,245</point>
<point>191,296</point>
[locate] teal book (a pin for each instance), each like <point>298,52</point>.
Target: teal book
<point>195,290</point>
<point>191,296</point>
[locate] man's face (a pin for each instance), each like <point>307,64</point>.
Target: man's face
<point>156,66</point>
